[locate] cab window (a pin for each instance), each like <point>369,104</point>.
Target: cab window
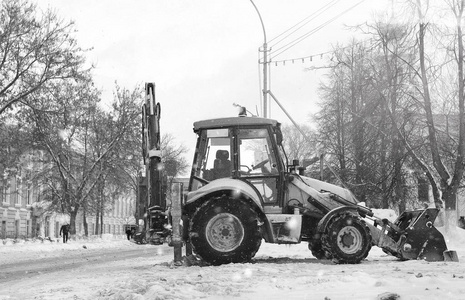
<point>257,162</point>
<point>213,160</point>
<point>257,157</point>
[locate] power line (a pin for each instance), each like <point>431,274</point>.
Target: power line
<point>302,59</point>
<point>312,16</point>
<point>316,55</point>
<point>303,37</point>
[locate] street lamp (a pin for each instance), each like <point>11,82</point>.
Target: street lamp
<point>265,65</point>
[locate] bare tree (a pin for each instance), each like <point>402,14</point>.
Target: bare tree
<point>352,127</point>
<point>391,81</point>
<point>436,142</point>
<point>297,146</point>
<point>118,171</point>
<point>416,105</point>
<point>34,49</point>
<point>444,178</point>
<point>81,144</point>
<point>173,156</point>
<point>66,179</point>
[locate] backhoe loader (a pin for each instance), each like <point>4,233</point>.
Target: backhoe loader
<point>243,189</point>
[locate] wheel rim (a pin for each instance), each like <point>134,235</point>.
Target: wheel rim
<point>349,240</point>
<point>224,232</point>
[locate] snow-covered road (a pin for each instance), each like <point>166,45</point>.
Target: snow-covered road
<point>118,269</point>
<point>19,270</point>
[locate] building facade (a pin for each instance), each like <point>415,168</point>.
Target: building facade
<point>22,215</point>
<point>115,219</point>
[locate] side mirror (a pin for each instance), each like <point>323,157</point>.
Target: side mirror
<point>279,134</point>
<point>279,137</point>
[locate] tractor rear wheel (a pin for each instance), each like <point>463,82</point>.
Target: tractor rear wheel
<point>347,239</point>
<point>225,230</point>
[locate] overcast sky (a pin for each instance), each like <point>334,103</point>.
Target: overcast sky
<point>203,54</point>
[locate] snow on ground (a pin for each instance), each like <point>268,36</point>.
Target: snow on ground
<point>276,272</point>
<point>19,250</point>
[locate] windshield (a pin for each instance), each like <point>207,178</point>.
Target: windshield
<point>257,156</point>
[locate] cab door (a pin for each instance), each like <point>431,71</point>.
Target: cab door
<point>259,164</point>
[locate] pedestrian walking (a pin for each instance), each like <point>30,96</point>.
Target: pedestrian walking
<point>128,233</point>
<point>65,230</point>
<point>461,222</point>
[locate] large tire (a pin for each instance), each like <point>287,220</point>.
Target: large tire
<point>317,250</point>
<point>347,239</point>
<point>225,230</point>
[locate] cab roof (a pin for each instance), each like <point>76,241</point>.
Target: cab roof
<point>233,121</point>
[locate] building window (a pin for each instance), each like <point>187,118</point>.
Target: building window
<point>17,224</point>
<point>57,229</point>
<point>35,191</point>
<point>2,191</point>
<point>8,191</point>
<point>28,228</point>
<point>18,191</point>
<point>47,227</point>
<point>29,193</point>
<point>3,235</point>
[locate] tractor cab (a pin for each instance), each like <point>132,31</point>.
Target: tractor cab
<point>244,148</point>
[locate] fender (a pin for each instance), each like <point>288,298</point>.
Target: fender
<point>237,187</point>
<point>324,221</point>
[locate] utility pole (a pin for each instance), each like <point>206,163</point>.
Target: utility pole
<point>265,80</point>
<point>265,66</point>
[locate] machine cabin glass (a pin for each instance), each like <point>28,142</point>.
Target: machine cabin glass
<point>213,158</point>
<point>258,162</point>
<point>248,153</point>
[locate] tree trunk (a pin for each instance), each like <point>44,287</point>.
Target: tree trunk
<point>84,220</point>
<point>101,224</point>
<point>449,196</point>
<point>450,193</point>
<point>383,160</point>
<point>72,221</point>
<point>397,180</point>
<point>97,222</point>
<point>449,185</point>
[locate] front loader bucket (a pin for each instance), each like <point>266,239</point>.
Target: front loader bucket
<point>417,238</point>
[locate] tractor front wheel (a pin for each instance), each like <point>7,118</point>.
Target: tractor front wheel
<point>317,249</point>
<point>225,230</point>
<point>347,239</point>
